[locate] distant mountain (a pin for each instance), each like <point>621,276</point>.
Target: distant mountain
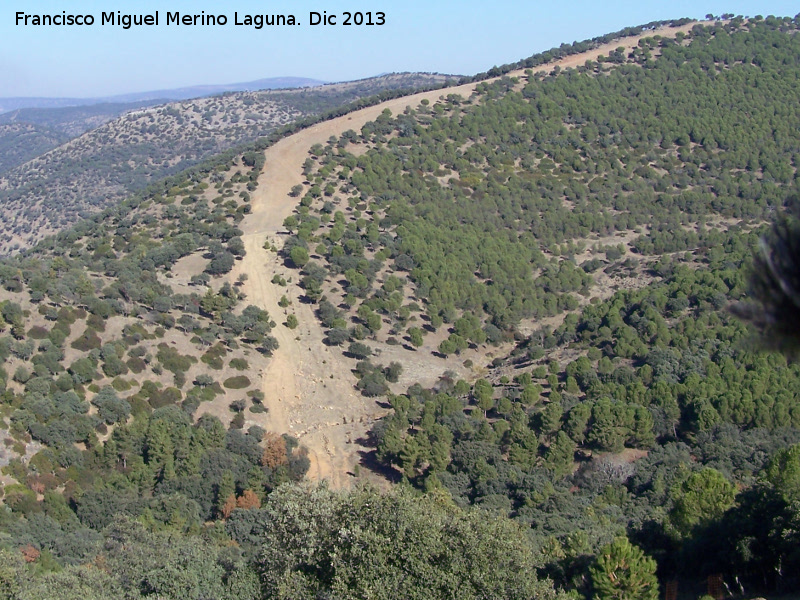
<point>35,125</point>
<point>47,191</point>
<point>200,91</point>
<point>184,93</point>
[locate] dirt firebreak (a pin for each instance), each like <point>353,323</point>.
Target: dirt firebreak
<point>126,21</point>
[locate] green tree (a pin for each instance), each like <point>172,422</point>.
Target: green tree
<point>221,263</point>
<point>551,415</point>
<point>531,394</point>
<point>560,455</point>
<point>225,491</point>
<point>299,256</point>
<point>783,473</point>
<point>397,545</point>
<point>577,420</point>
<point>622,571</point>
<point>483,393</point>
<point>700,499</point>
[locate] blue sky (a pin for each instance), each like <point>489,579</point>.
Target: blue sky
<point>463,37</point>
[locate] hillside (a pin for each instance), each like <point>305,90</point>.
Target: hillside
<point>23,141</point>
<point>99,168</point>
<point>9,104</point>
<point>511,296</point>
<point>30,132</point>
<point>551,255</point>
<point>30,127</point>
<point>74,120</point>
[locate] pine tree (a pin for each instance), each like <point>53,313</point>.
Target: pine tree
<point>703,497</point>
<point>551,416</point>
<point>623,572</point>
<point>483,394</point>
<point>560,455</point>
<point>225,491</point>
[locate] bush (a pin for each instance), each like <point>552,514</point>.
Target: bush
<point>87,341</point>
<point>172,360</point>
<point>359,350</point>
<point>236,383</point>
<point>239,364</point>
<point>113,366</point>
<point>220,264</point>
<point>22,375</point>
<point>213,356</point>
<point>37,333</point>
<point>137,365</point>
<point>121,385</point>
<point>158,398</point>
<point>96,322</point>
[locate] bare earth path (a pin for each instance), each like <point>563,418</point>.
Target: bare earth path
<point>309,387</point>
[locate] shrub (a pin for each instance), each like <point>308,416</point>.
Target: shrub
<point>87,341</point>
<point>213,356</point>
<point>37,333</point>
<point>157,397</point>
<point>96,322</point>
<point>137,365</point>
<point>236,383</point>
<point>113,366</point>
<point>239,364</point>
<point>120,384</point>
<point>172,360</point>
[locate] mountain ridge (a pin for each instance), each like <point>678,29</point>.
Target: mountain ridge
<point>125,154</point>
<point>10,103</point>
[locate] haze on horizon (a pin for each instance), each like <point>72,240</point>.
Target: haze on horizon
<point>450,37</point>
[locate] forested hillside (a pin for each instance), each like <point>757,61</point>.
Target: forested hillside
<point>20,142</point>
<point>621,202</point>
<point>98,169</point>
<point>30,132</point>
<point>564,246</point>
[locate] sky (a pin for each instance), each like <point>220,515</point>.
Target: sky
<point>454,37</point>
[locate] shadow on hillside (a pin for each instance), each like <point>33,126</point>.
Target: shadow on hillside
<point>368,460</point>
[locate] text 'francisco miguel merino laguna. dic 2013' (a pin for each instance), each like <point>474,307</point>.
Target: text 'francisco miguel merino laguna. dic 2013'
<point>126,21</point>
